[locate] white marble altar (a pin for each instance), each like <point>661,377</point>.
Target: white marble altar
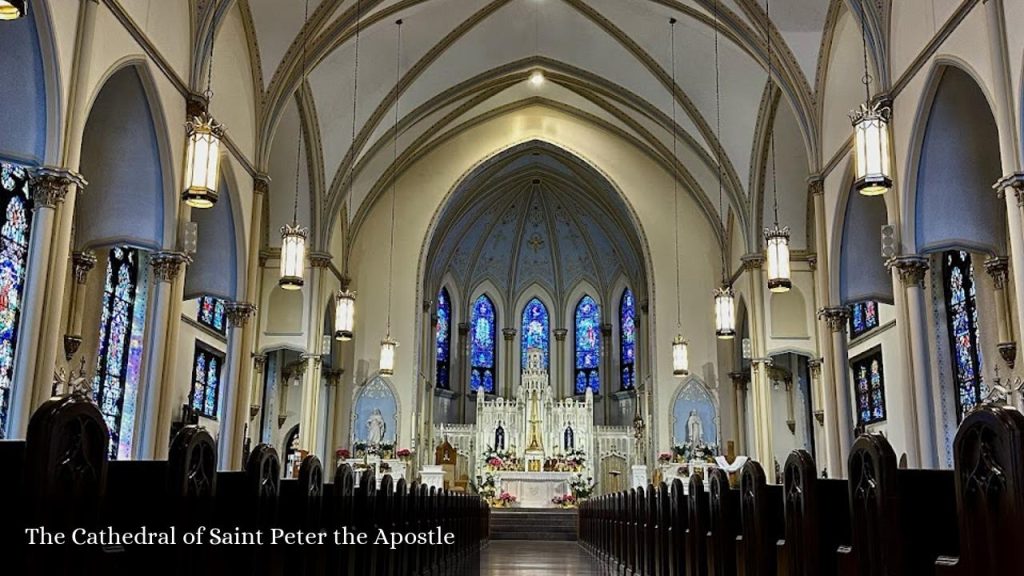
<point>638,476</point>
<point>432,475</point>
<point>535,489</point>
<point>670,472</point>
<point>397,468</point>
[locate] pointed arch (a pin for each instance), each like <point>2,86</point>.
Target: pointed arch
<point>443,339</point>
<point>587,345</point>
<point>535,331</point>
<point>483,345</point>
<point>628,327</point>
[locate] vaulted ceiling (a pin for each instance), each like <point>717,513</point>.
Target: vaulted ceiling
<point>608,60</point>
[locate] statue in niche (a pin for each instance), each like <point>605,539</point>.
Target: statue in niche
<point>569,440</point>
<point>499,437</point>
<point>694,429</point>
<point>376,428</point>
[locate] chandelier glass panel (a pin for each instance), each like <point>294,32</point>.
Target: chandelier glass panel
<point>202,164</point>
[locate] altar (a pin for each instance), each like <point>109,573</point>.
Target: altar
<point>535,489</point>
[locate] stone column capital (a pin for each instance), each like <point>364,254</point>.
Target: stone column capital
<point>1011,183</point>
<point>239,313</point>
<point>560,334</point>
<point>814,364</point>
<point>753,261</point>
<point>998,268</point>
<point>259,361</point>
<point>166,264</point>
<point>508,333</point>
<point>835,316</point>
<point>911,267</point>
<point>306,358</point>
<point>739,380</point>
<point>606,330</point>
<point>82,262</point>
<point>261,183</point>
<point>816,185</point>
<point>463,328</point>
<point>49,185</point>
<point>319,259</point>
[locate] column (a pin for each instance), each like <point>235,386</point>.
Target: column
<point>1011,189</point>
<point>998,269</point>
<point>509,335</point>
<point>237,404</point>
<point>817,395</point>
<point>157,389</point>
<point>247,315</point>
<point>463,369</point>
<point>762,394</point>
<point>332,380</point>
<point>839,409</point>
<point>739,381</point>
<point>309,411</point>
<point>560,334</point>
<point>257,398</point>
<point>833,461</point>
<point>49,187</point>
<point>912,270</point>
<point>81,264</point>
<point>606,367</point>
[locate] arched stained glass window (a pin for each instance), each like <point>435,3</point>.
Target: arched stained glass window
<point>869,380</point>
<point>484,333</point>
<point>119,358</point>
<point>15,219</point>
<point>535,331</point>
<point>962,323</point>
<point>443,338</point>
<point>206,368</point>
<point>588,345</point>
<point>211,313</point>
<point>627,339</point>
<point>863,317</point>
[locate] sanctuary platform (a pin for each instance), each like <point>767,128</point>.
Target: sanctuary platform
<point>548,524</point>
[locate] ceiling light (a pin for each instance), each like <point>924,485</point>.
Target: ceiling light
<point>13,9</point>
<point>537,78</point>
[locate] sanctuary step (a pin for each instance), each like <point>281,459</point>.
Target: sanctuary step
<point>533,524</point>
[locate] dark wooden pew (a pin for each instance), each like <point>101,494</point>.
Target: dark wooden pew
<point>723,523</point>
<point>249,500</point>
<point>902,520</point>
<point>680,515</point>
<point>761,522</point>
<point>697,528</point>
<point>817,514</point>
<point>339,502</point>
<point>301,508</point>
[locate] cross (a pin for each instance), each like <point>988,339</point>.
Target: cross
<point>536,242</point>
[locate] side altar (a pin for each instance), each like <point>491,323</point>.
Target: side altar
<point>532,446</point>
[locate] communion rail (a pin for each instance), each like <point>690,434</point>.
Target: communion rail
<point>882,521</point>
<point>60,478</point>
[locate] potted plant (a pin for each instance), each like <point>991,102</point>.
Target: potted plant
<point>665,457</point>
<point>565,501</point>
<point>404,454</point>
<point>505,500</point>
<point>342,454</point>
<point>582,488</point>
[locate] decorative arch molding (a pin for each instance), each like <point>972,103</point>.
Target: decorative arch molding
<point>789,314</point>
<point>376,393</point>
<point>693,394</point>
<point>524,296</point>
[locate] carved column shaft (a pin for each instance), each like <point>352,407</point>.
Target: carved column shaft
<point>761,440</point>
<point>463,368</point>
<point>159,404</point>
<point>998,269</point>
<point>560,334</point>
<point>836,318</point>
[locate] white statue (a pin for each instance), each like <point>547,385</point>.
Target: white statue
<point>694,429</point>
<point>376,427</point>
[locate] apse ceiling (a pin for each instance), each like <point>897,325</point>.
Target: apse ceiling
<point>564,224</point>
<point>462,59</point>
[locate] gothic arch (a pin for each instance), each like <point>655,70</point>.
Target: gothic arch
<point>693,394</point>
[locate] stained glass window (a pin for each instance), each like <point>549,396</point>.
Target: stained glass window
<point>535,331</point>
<point>588,345</point>
<point>863,317</point>
<point>870,382</point>
<point>119,358</point>
<point>211,313</point>
<point>206,367</point>
<point>627,339</point>
<point>443,338</point>
<point>962,323</point>
<point>482,374</point>
<point>14,230</point>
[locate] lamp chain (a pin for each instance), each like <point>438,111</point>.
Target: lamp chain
<point>675,175</point>
<point>394,176</point>
<point>209,69</point>
<point>718,128</point>
<point>298,94</point>
<point>771,133</point>
<point>352,144</point>
<point>864,39</point>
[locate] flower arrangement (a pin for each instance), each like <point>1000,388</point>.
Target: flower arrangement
<point>342,454</point>
<point>505,499</point>
<point>582,488</point>
<point>404,453</point>
<point>565,501</point>
<point>665,457</point>
<point>499,460</point>
<point>486,486</point>
<point>693,453</point>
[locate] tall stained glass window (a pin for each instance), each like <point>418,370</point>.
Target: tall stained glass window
<point>206,365</point>
<point>588,345</point>
<point>443,338</point>
<point>627,339</point>
<point>483,338</point>
<point>211,313</point>
<point>535,331</point>
<point>863,317</point>
<point>962,323</point>
<point>15,219</point>
<point>119,358</point>
<point>869,380</point>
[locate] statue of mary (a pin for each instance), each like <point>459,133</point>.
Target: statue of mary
<point>376,428</point>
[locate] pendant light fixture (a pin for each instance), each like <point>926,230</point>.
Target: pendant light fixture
<point>13,9</point>
<point>725,315</point>
<point>871,134</point>
<point>777,237</point>
<point>680,347</point>
<point>202,156</point>
<point>293,236</point>
<point>345,305</point>
<point>388,344</point>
